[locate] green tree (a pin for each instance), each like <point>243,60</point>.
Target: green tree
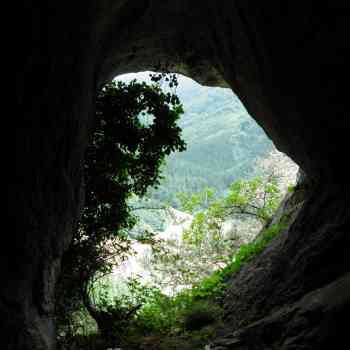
<point>205,245</point>
<point>135,129</point>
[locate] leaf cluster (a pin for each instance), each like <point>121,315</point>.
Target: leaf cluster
<point>206,245</point>
<point>135,129</point>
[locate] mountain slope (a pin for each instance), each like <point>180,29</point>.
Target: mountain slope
<point>223,141</point>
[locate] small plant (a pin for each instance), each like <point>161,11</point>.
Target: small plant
<point>189,317</point>
<point>291,189</point>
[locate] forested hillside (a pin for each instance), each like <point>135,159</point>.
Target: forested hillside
<point>223,142</point>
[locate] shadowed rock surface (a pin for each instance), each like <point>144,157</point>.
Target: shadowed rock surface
<point>317,321</point>
<point>268,295</point>
<point>287,62</point>
<point>311,253</point>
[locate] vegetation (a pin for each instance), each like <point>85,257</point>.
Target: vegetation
<point>206,245</point>
<point>215,284</point>
<point>223,145</point>
<point>188,318</point>
<point>136,128</point>
<point>192,315</point>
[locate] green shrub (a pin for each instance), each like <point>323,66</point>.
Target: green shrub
<point>188,314</point>
<point>210,287</point>
<point>200,314</point>
<point>158,315</point>
<point>291,189</point>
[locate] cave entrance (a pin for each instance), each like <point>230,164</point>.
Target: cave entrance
<point>214,199</point>
<point>224,146</point>
<point>291,87</point>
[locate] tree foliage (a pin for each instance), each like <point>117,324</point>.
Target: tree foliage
<point>135,129</point>
<point>223,143</point>
<point>206,245</point>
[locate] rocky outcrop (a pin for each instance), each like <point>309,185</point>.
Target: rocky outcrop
<point>311,253</point>
<point>286,61</point>
<point>303,260</point>
<point>316,321</point>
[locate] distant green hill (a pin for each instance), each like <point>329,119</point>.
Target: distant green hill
<point>223,142</point>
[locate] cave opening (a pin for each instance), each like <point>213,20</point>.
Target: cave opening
<point>288,64</point>
<point>213,202</point>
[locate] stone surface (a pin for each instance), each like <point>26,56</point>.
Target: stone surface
<point>316,321</point>
<point>286,61</point>
<point>308,255</point>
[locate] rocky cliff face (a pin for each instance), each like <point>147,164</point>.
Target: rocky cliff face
<point>287,298</point>
<point>316,321</point>
<point>273,55</point>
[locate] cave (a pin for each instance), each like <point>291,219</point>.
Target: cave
<point>287,63</point>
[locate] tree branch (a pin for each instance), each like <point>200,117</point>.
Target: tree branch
<point>149,208</point>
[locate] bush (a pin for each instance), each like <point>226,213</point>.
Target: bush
<point>190,316</point>
<point>201,314</point>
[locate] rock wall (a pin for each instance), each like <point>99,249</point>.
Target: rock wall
<point>46,135</point>
<point>316,321</point>
<point>287,62</point>
<point>297,268</point>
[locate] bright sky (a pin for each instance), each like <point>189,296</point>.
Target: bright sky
<point>184,82</point>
